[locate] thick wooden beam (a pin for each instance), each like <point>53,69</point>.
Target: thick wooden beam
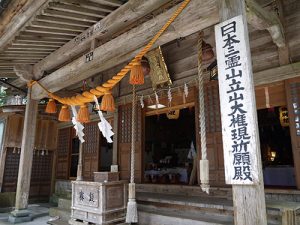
<point>17,19</point>
<point>195,17</point>
<point>248,200</point>
<point>263,19</point>
<point>277,74</point>
<point>13,9</point>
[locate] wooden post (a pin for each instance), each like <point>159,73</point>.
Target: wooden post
<point>248,192</point>
<point>115,144</point>
<point>20,214</point>
<point>79,166</point>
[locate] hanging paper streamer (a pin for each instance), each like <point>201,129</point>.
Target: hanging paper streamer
<point>186,90</point>
<point>142,101</point>
<point>169,97</point>
<point>77,126</point>
<point>156,100</point>
<point>104,125</point>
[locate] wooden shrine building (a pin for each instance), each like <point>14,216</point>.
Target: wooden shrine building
<point>69,51</point>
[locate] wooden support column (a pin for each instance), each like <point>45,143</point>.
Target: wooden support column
<point>79,166</point>
<point>115,144</point>
<point>3,151</point>
<point>20,214</point>
<point>248,192</point>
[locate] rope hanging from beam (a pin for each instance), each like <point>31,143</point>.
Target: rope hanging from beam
<point>132,215</point>
<point>204,163</point>
<point>88,96</point>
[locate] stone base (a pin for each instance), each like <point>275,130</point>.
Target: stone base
<point>20,216</point>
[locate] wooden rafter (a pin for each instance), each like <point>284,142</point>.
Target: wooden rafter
<point>71,15</point>
<point>63,21</point>
<point>57,26</point>
<point>77,9</point>
<point>91,5</point>
<point>108,2</point>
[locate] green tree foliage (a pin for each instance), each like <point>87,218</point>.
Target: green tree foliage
<point>3,95</point>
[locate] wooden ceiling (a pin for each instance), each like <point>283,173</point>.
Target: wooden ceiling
<point>57,23</point>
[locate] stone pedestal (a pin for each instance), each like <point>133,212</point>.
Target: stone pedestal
<point>98,203</point>
<point>20,216</point>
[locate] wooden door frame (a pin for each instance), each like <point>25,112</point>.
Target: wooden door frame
<point>192,103</point>
<point>3,151</point>
<point>293,129</point>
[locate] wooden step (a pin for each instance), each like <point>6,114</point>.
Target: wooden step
<point>63,214</point>
<point>163,217</point>
<point>198,206</point>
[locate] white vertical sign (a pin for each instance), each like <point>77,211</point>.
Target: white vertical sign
<point>237,103</point>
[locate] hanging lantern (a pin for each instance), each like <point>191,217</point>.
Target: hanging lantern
<point>108,102</point>
<point>284,117</point>
<point>136,75</point>
<point>213,70</point>
<point>83,115</point>
<point>173,114</point>
<point>51,106</point>
<point>64,114</point>
<point>207,52</point>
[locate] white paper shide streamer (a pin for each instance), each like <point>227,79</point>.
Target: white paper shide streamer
<point>142,101</point>
<point>156,99</point>
<point>104,125</point>
<point>186,90</point>
<point>169,97</point>
<point>77,125</point>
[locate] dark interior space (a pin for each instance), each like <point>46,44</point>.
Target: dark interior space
<point>276,147</point>
<point>167,156</point>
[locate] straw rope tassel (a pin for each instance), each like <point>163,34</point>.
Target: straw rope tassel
<point>132,215</point>
<point>204,163</point>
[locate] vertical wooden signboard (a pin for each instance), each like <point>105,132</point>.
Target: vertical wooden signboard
<point>239,117</point>
<point>237,106</point>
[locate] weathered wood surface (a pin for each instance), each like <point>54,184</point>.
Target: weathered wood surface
<point>248,200</point>
<point>261,19</point>
<point>3,151</point>
<point>195,17</point>
<point>103,30</point>
<point>115,137</point>
<point>292,90</point>
<point>28,139</point>
<point>114,22</point>
<point>277,74</point>
<point>12,20</point>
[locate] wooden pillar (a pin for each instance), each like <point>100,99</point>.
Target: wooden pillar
<point>248,194</point>
<point>115,143</point>
<point>3,151</point>
<point>79,166</point>
<point>28,138</point>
